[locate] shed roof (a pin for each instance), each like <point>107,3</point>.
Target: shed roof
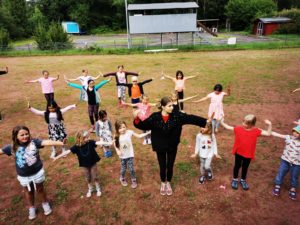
<point>172,5</point>
<point>275,20</point>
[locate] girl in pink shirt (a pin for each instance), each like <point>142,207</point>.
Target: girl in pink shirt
<point>245,146</point>
<point>46,84</point>
<point>179,81</point>
<point>215,110</point>
<point>144,108</point>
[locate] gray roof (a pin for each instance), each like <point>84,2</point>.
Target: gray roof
<point>172,5</point>
<point>275,20</point>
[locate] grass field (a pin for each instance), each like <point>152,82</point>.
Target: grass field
<point>261,82</point>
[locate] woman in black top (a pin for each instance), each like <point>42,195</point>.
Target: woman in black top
<point>166,126</point>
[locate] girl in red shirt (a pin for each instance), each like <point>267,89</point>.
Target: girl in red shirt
<point>244,147</point>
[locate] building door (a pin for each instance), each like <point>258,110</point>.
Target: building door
<point>260,28</point>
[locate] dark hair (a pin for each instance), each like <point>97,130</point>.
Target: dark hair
<point>218,87</point>
<point>89,81</point>
<point>179,72</point>
<point>120,66</point>
<point>102,114</point>
<point>84,70</point>
<point>45,71</point>
<point>164,101</point>
<point>14,136</point>
<point>57,110</point>
<point>118,124</point>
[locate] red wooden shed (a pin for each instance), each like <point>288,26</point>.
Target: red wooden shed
<point>266,26</point>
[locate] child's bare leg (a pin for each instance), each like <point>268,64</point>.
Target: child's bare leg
<point>41,192</point>
<point>29,197</point>
<point>88,176</point>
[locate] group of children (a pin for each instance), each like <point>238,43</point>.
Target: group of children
<point>162,130</point>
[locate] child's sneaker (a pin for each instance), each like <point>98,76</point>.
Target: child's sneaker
<point>149,141</point>
<point>89,193</point>
<point>209,175</point>
<point>47,208</point>
<point>99,193</point>
<point>32,213</point>
<point>145,142</point>
<point>276,190</point>
<point>169,189</point>
<point>123,181</point>
<point>244,184</point>
<point>234,184</point>
<point>133,183</point>
<point>163,190</point>
<point>292,195</point>
<point>201,179</point>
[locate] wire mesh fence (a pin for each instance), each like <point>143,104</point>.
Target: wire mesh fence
<point>169,40</point>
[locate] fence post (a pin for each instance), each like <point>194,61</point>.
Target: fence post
<point>147,41</point>
<point>28,46</point>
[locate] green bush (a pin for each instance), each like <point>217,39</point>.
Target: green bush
<point>4,39</point>
<point>291,28</point>
<point>52,39</point>
<point>58,37</point>
<point>42,38</point>
<point>101,30</point>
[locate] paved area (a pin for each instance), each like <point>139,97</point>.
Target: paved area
<point>168,39</point>
<point>150,40</point>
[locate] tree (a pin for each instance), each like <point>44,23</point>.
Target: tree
<point>4,39</point>
<point>290,28</point>
<point>80,13</point>
<point>287,4</point>
<point>17,11</point>
<point>36,19</point>
<point>56,10</point>
<point>242,13</point>
<point>6,20</point>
